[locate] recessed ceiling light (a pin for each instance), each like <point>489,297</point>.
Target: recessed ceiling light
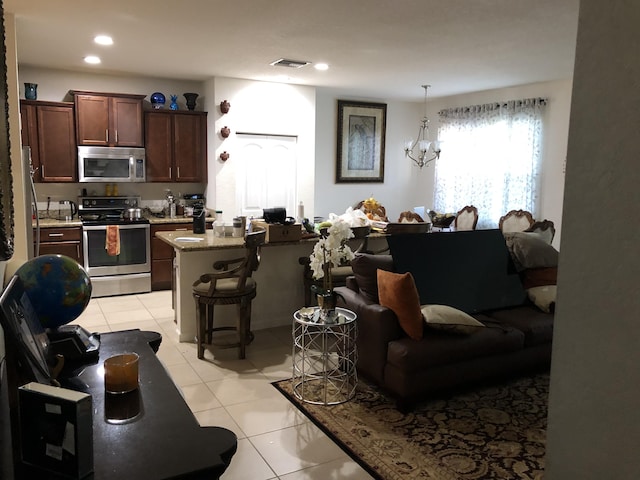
<point>92,59</point>
<point>321,66</point>
<point>103,40</point>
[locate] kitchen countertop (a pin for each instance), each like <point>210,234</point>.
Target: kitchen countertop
<point>54,223</point>
<point>210,242</point>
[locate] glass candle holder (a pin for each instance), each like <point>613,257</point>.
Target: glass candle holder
<point>121,373</point>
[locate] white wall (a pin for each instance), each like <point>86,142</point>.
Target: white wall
<point>594,419</point>
<point>262,108</point>
<point>405,186</point>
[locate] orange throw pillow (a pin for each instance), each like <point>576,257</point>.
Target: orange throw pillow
<point>398,292</point>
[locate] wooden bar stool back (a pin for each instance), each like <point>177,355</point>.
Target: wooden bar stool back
<point>231,284</point>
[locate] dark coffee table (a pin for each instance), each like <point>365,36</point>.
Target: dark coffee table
<point>150,433</point>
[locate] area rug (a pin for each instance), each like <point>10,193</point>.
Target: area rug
<point>495,432</point>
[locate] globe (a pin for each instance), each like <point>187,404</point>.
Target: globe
<point>57,286</point>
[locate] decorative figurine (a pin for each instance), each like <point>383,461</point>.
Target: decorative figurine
<point>225,106</point>
<point>174,102</point>
<point>224,156</point>
<point>225,131</point>
<point>157,100</point>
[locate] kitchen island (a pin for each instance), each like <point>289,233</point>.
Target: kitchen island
<point>279,277</point>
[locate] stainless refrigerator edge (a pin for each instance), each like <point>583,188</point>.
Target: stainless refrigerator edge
<point>30,198</point>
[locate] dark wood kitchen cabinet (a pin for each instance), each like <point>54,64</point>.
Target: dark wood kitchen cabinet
<point>49,129</point>
<point>162,255</point>
<point>109,119</point>
<point>176,146</point>
<point>61,241</point>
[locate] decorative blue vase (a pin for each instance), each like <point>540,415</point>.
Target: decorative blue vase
<point>157,100</point>
<point>174,102</point>
<point>31,91</point>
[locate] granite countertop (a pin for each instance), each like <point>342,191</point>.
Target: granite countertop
<point>54,223</point>
<point>199,241</point>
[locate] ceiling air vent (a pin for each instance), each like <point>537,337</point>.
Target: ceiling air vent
<point>284,62</point>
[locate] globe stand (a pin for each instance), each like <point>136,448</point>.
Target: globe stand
<point>74,343</point>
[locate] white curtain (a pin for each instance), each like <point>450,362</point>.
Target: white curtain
<point>491,157</point>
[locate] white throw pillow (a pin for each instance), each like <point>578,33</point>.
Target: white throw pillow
<point>444,317</point>
<point>544,297</point>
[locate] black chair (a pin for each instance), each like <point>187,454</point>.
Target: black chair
<point>229,286</point>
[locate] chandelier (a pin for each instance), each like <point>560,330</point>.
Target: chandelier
<point>427,150</point>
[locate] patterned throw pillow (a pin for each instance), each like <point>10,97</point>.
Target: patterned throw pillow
<point>398,292</point>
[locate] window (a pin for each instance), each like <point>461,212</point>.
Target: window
<point>491,157</point>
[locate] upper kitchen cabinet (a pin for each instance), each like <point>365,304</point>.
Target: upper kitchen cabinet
<point>49,129</point>
<point>109,119</point>
<point>176,146</point>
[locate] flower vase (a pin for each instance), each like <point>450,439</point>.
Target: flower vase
<point>327,302</point>
<point>191,100</point>
<point>31,91</point>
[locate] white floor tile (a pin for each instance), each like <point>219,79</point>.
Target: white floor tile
<point>199,397</point>
<point>265,415</point>
<point>247,464</point>
<point>295,448</point>
<point>219,417</point>
<point>343,469</point>
<point>127,316</point>
<point>182,374</point>
<point>242,389</point>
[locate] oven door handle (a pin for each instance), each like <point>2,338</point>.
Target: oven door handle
<point>126,226</point>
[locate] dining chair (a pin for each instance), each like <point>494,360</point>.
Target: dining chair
<point>466,218</point>
<point>409,217</point>
<point>516,221</point>
<point>230,284</point>
<point>545,228</point>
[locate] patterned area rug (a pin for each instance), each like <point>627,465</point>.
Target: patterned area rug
<point>495,432</point>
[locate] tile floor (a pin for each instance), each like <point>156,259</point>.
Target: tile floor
<point>275,441</point>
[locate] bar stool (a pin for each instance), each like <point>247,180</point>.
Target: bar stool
<point>229,286</point>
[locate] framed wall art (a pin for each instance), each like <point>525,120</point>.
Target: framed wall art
<point>360,141</point>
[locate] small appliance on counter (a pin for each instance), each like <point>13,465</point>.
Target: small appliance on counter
<point>190,201</point>
<point>67,209</point>
<point>199,214</point>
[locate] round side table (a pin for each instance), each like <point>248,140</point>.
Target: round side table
<point>324,356</point>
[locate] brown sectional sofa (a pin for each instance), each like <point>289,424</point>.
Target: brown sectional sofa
<point>517,336</point>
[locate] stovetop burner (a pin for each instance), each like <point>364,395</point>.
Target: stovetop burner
<point>108,210</point>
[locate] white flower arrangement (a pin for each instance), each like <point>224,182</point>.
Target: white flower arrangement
<point>331,251</point>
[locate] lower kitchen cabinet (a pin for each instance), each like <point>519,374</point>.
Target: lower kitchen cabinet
<point>61,241</point>
<point>162,255</point>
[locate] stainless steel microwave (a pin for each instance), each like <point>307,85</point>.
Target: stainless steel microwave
<point>111,164</point>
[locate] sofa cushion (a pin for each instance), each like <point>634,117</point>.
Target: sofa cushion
<point>544,297</point>
<point>449,319</point>
<point>536,325</point>
<point>440,348</point>
<point>530,250</point>
<point>397,291</point>
<point>364,267</point>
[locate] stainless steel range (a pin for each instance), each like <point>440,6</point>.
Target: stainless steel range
<point>116,247</point>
